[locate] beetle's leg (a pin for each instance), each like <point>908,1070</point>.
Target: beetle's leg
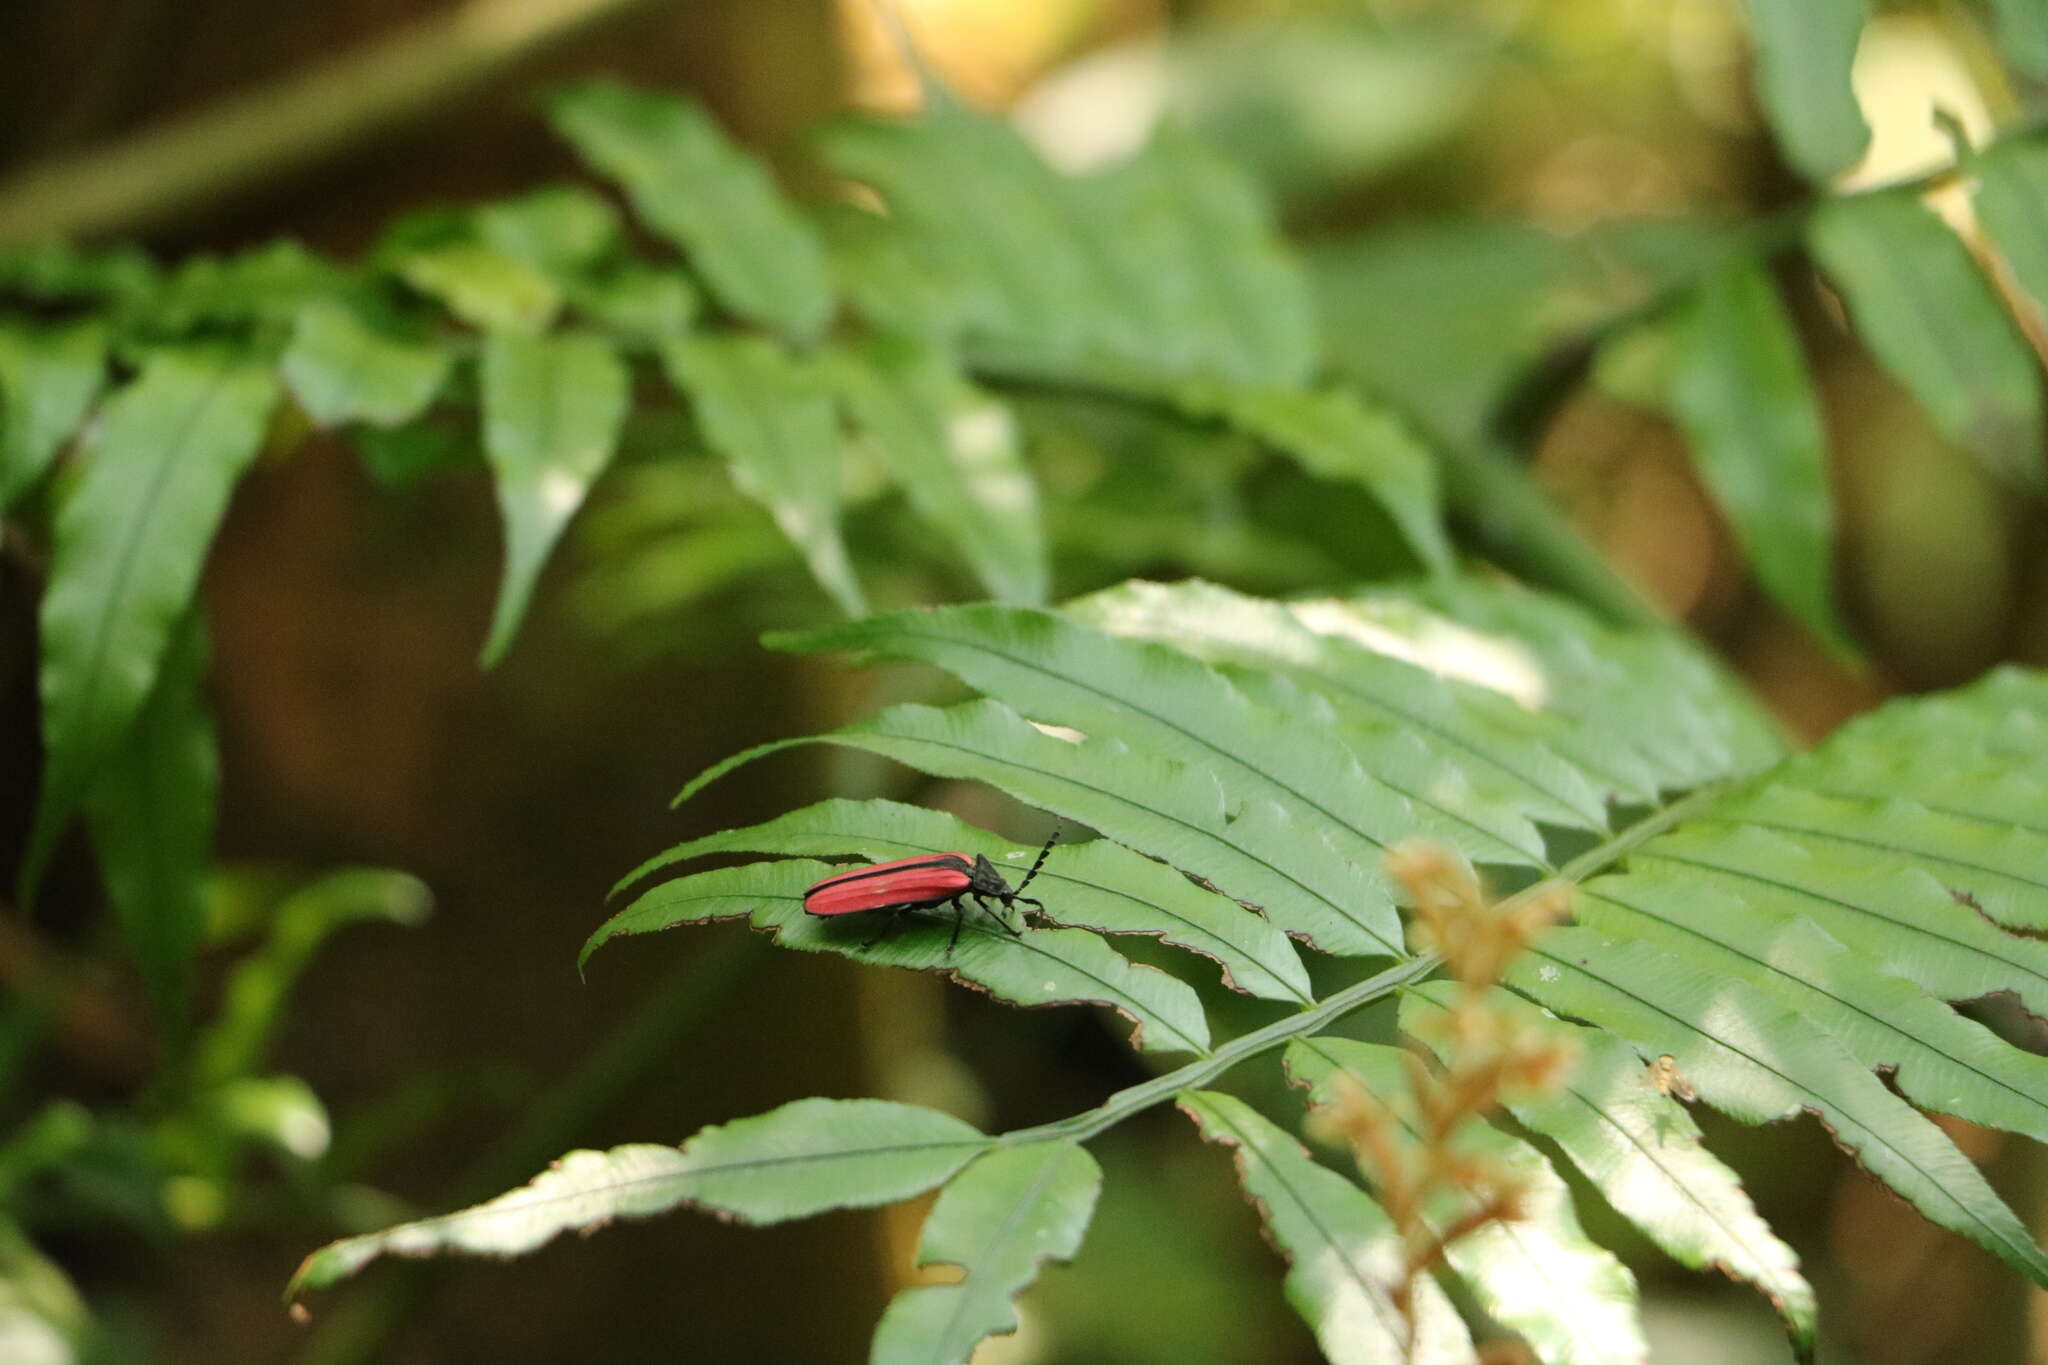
<point>998,917</point>
<point>959,914</point>
<point>892,921</point>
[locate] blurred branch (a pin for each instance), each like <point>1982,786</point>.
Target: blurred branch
<point>243,139</point>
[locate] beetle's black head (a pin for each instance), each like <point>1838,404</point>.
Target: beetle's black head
<point>984,879</point>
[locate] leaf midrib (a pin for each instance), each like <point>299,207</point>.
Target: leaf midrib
<point>139,532</point>
<point>1245,1144</point>
<point>488,1212</point>
<point>972,1279</point>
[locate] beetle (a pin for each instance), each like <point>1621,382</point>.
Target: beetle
<point>920,883</point>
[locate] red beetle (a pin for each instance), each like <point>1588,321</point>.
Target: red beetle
<point>921,883</point>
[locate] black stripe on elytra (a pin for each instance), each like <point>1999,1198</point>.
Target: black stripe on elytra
<point>949,861</point>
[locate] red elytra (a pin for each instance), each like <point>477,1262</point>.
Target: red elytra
<point>920,883</point>
<point>926,880</point>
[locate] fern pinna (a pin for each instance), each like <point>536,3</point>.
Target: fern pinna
<point>1774,928</point>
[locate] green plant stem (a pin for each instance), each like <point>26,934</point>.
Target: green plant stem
<point>1125,1103</point>
<point>358,1328</point>
<point>1610,851</point>
<point>245,139</point>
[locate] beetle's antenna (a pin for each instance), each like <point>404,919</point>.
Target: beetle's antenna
<point>1018,894</point>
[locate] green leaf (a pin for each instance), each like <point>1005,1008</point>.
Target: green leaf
<point>1934,323</point>
<point>43,1318</point>
<point>552,410</point>
<point>1997,859</point>
<point>48,380</point>
<point>342,370</point>
<point>1540,1274</point>
<point>2023,34</point>
<point>770,414</point>
<point>120,277</point>
<point>1804,51</point>
<point>1442,318</point>
<point>1284,748</point>
<point>130,538</point>
<point>643,304</point>
<point>1502,747</point>
<point>2011,198</point>
<point>1740,390</point>
<point>1166,267</point>
<point>1891,912</point>
<point>1097,885</point>
<point>1947,783</point>
<point>1038,967</point>
<point>211,1134</point>
<point>999,1220</point>
<point>887,282</point>
<point>1335,436</point>
<point>2000,718</point>
<point>1642,1151</point>
<point>1342,1253</point>
<point>1939,1059</point>
<point>43,1141</point>
<point>717,204</point>
<point>1647,708</point>
<point>1758,1061</point>
<point>1025,278</point>
<point>1973,823</point>
<point>562,230</point>
<point>269,283</point>
<point>954,452</point>
<point>399,457</point>
<point>802,1159</point>
<point>484,286</point>
<point>151,813</point>
<point>1221,290</point>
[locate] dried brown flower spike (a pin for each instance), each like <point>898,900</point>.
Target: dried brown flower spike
<point>1409,1147</point>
